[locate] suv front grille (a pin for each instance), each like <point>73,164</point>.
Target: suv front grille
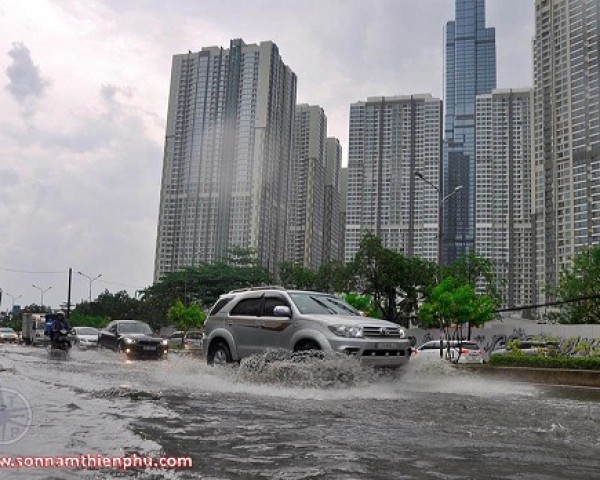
<point>381,332</point>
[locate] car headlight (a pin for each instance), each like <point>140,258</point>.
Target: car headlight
<point>165,342</point>
<point>347,331</point>
<point>129,341</point>
<point>402,333</point>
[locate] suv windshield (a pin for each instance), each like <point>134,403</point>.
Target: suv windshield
<point>134,327</point>
<point>314,303</point>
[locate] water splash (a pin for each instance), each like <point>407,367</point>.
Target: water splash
<point>313,370</point>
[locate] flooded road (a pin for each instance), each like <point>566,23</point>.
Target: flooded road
<point>313,420</point>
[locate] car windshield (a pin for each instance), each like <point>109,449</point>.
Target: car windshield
<point>134,327</point>
<point>7,330</point>
<point>86,331</point>
<point>316,303</point>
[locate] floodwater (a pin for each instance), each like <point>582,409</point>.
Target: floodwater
<point>321,419</point>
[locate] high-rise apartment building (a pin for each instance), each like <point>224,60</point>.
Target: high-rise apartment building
<point>470,70</point>
<point>391,138</point>
<point>343,207</point>
<point>307,193</point>
<point>503,190</point>
<point>566,176</point>
<point>227,156</point>
<point>333,230</point>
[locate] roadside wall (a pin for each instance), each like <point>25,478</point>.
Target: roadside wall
<point>495,333</point>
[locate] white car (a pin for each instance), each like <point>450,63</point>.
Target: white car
<point>8,335</point>
<point>465,351</point>
<point>84,337</point>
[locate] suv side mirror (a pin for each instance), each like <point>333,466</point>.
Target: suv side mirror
<point>282,311</point>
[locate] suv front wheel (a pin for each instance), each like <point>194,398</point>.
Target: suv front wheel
<point>219,354</point>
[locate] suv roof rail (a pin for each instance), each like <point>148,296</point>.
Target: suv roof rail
<point>263,287</point>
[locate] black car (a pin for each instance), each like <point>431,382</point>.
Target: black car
<point>134,338</point>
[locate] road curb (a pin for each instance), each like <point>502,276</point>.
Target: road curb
<point>550,376</point>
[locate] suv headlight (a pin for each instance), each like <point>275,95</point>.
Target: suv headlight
<point>347,331</point>
<point>402,333</point>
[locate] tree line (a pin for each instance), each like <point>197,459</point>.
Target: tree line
<point>379,281</point>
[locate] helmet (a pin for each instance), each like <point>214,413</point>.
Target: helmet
<point>60,314</point>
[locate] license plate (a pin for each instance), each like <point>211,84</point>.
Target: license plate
<point>149,348</point>
<point>388,346</point>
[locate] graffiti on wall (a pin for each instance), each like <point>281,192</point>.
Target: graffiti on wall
<point>490,339</point>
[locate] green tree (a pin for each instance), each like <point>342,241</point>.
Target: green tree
<point>114,306</point>
<point>205,283</point>
<point>297,276</point>
<point>397,283</point>
<point>454,303</point>
<point>186,318</point>
<point>580,280</point>
<point>478,271</point>
<point>364,303</point>
<point>78,319</point>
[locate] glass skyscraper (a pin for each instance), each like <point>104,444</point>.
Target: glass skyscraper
<point>470,67</point>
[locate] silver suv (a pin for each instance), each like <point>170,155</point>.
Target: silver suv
<point>249,321</point>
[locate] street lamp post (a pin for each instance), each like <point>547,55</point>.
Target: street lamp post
<point>91,280</point>
<point>13,300</point>
<point>42,291</point>
<point>441,200</point>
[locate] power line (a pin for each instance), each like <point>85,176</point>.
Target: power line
<point>14,270</point>
<point>549,304</point>
<point>62,272</point>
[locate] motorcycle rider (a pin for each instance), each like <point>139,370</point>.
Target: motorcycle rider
<point>60,323</point>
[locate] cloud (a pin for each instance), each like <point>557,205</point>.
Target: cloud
<point>26,83</point>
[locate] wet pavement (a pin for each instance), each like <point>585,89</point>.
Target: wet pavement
<point>322,419</point>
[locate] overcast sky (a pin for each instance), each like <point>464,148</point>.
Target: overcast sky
<point>83,101</point>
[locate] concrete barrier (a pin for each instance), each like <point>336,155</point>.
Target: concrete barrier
<point>550,376</point>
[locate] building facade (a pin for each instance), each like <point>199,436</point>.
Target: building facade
<point>306,218</point>
<point>333,229</point>
<point>470,70</point>
<point>227,156</point>
<point>391,138</point>
<point>566,175</point>
<point>343,208</point>
<point>504,225</point>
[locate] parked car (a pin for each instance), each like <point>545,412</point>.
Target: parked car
<point>193,340</point>
<point>249,321</point>
<point>134,338</point>
<point>465,351</point>
<point>8,335</point>
<point>84,337</point>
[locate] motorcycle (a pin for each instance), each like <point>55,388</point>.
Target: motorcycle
<point>60,343</point>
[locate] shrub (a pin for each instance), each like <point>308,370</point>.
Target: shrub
<point>539,361</point>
